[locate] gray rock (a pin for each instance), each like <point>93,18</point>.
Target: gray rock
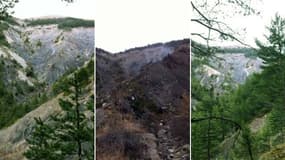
<point>52,51</point>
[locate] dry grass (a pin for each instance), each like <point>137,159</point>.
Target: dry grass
<point>113,156</point>
<point>118,138</point>
<point>118,121</point>
<point>180,124</point>
<point>120,144</point>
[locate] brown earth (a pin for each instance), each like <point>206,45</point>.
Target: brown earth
<point>143,103</point>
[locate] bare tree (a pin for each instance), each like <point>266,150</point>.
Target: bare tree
<point>210,17</point>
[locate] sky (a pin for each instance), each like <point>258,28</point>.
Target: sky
<point>255,25</point>
<point>41,8</point>
<point>119,24</point>
<point>124,24</point>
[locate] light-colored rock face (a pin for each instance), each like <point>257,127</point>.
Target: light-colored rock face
<point>228,68</point>
<point>14,68</point>
<point>7,53</point>
<point>52,51</point>
<point>12,139</point>
<point>239,66</point>
<point>210,71</point>
<point>23,77</point>
<point>257,124</point>
<point>133,60</point>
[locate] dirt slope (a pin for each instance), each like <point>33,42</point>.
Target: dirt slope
<point>143,113</point>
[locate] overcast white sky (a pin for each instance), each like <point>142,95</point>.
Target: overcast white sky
<point>39,8</point>
<point>255,25</point>
<point>120,24</point>
<point>124,24</point>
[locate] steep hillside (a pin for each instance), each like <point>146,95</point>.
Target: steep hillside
<point>49,49</point>
<point>227,69</point>
<point>36,62</point>
<point>223,88</point>
<point>13,138</point>
<point>143,102</point>
<point>12,141</point>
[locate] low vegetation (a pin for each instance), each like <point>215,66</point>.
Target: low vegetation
<point>3,41</point>
<point>9,96</point>
<point>85,73</point>
<point>63,23</point>
<point>129,145</point>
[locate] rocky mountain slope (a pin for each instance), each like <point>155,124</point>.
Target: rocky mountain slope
<point>143,102</point>
<point>226,68</point>
<point>12,141</point>
<point>35,57</point>
<point>48,49</point>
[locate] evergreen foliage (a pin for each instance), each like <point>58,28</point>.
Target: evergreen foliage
<point>72,131</point>
<point>63,23</point>
<point>262,94</point>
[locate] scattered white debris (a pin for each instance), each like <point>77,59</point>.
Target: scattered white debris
<point>104,105</point>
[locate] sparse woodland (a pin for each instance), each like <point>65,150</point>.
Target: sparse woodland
<point>245,121</point>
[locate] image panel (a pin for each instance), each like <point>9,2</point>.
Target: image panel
<point>237,80</point>
<point>46,80</point>
<point>142,80</point>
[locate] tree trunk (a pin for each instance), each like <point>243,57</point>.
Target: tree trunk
<point>249,148</point>
<point>77,118</point>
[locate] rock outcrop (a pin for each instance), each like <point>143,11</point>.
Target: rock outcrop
<point>49,50</point>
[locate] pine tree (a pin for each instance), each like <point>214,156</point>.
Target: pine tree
<point>72,131</point>
<point>43,143</point>
<point>274,59</point>
<point>74,124</point>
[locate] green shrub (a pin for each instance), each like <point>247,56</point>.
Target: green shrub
<point>30,71</point>
<point>39,43</point>
<point>63,23</point>
<point>27,40</point>
<point>61,85</point>
<point>11,21</point>
<point>3,41</point>
<point>84,73</point>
